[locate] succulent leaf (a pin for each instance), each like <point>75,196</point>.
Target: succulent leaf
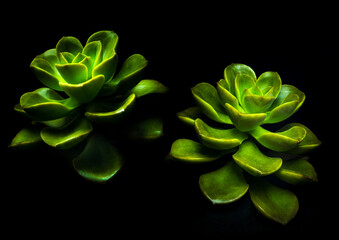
<point>255,103</point>
<point>86,91</point>
<point>148,86</point>
<point>107,67</point>
<point>207,99</point>
<point>147,129</point>
<point>99,161</point>
<point>279,141</point>
<point>46,73</point>
<point>189,115</point>
<point>26,138</point>
<point>225,95</point>
<point>309,142</point>
<point>73,73</point>
<point>253,161</point>
<point>108,114</point>
<point>44,104</point>
<point>243,82</point>
<point>68,137</point>
<point>224,185</point>
<point>244,121</point>
<point>269,82</point>
<point>68,44</point>
<point>297,171</point>
<point>109,41</point>
<point>220,139</point>
<point>273,202</point>
<point>233,70</point>
<point>191,151</point>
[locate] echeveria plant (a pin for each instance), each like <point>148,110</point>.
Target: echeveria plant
<point>84,87</point>
<point>240,104</point>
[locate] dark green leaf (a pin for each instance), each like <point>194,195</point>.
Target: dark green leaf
<point>26,138</point>
<point>224,185</point>
<point>99,161</point>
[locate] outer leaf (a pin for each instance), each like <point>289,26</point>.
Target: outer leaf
<point>309,142</point>
<point>208,100</point>
<point>243,121</point>
<point>67,137</point>
<point>233,70</point>
<point>25,138</point>
<point>224,185</point>
<point>99,161</point>
<point>86,91</point>
<point>297,171</point>
<point>148,86</point>
<point>279,141</point>
<point>255,162</point>
<point>44,104</point>
<point>189,115</point>
<point>191,151</point>
<point>274,203</point>
<point>147,129</point>
<point>221,139</point>
<point>104,114</point>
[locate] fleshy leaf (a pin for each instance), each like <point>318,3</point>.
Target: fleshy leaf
<point>273,202</point>
<point>73,73</point>
<point>68,44</point>
<point>224,185</point>
<point>148,86</point>
<point>108,39</point>
<point>26,138</point>
<point>107,67</point>
<point>309,142</point>
<point>297,171</point>
<point>129,74</point>
<point>221,139</point>
<point>148,129</point>
<point>68,137</point>
<point>93,50</point>
<point>46,73</point>
<point>225,95</point>
<point>244,121</point>
<point>233,70</point>
<point>255,162</point>
<point>242,82</point>
<point>191,151</point>
<point>44,104</point>
<point>102,113</point>
<point>189,115</point>
<point>256,103</point>
<point>208,100</point>
<point>280,141</point>
<point>285,104</point>
<point>99,161</point>
<point>267,80</point>
<point>86,91</point>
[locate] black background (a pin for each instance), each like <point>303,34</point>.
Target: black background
<point>185,45</point>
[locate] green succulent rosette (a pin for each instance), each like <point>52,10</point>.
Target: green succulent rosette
<point>83,87</point>
<point>228,119</point>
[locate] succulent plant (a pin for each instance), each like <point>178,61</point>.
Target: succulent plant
<point>83,87</point>
<point>229,119</point>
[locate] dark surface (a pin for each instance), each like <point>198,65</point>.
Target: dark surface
<point>151,196</point>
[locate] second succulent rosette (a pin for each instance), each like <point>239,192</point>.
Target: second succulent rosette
<point>228,118</point>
